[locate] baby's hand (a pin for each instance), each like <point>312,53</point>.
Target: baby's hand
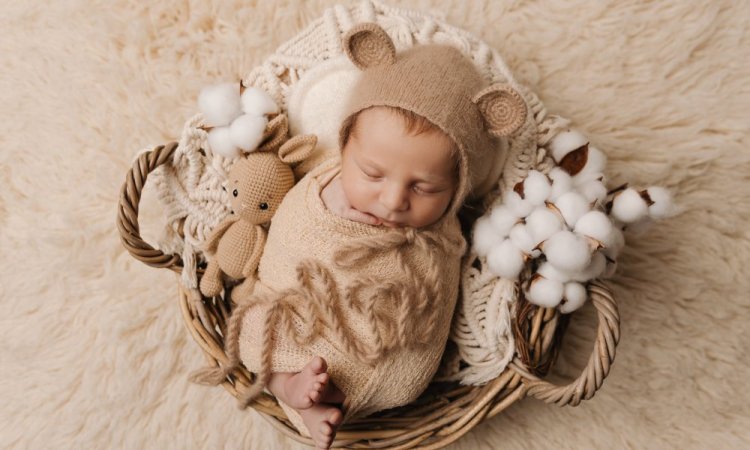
<point>335,200</point>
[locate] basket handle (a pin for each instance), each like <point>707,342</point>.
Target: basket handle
<point>600,361</point>
<point>127,210</point>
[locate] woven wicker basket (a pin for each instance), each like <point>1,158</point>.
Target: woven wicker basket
<point>445,411</point>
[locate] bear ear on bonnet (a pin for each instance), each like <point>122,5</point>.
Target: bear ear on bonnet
<point>503,109</point>
<point>368,45</point>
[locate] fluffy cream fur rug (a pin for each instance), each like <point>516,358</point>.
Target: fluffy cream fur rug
<point>94,353</point>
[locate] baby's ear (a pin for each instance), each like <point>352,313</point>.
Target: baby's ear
<point>368,45</point>
<point>298,148</point>
<point>503,109</point>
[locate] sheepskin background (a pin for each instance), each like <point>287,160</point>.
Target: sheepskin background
<point>93,351</point>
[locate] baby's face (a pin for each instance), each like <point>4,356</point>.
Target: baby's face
<point>401,179</point>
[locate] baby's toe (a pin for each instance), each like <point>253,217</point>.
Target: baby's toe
<point>335,417</point>
<point>326,430</point>
<point>318,365</point>
<point>322,378</point>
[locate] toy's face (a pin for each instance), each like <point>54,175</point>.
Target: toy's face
<point>401,178</point>
<point>257,184</point>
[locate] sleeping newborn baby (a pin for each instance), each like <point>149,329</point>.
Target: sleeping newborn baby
<point>360,272</point>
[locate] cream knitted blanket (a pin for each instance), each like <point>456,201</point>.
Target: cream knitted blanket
<point>390,293</point>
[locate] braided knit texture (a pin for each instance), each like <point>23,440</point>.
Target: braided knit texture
<point>195,203</point>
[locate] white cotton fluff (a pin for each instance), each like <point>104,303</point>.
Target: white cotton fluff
<point>221,143</point>
<point>597,225</point>
<point>545,293</point>
<point>505,260</point>
<point>518,206</point>
<point>503,219</point>
<point>594,270</point>
<point>596,161</point>
<point>628,206</point>
<point>550,272</point>
<point>485,236</point>
<point>257,102</point>
<point>220,104</point>
<point>593,191</point>
<point>543,223</point>
<point>566,142</point>
<point>616,243</point>
<point>663,205</point>
<point>562,183</point>
<point>521,238</point>
<point>536,188</point>
<point>247,131</point>
<point>575,296</point>
<point>567,251</point>
<point>572,206</point>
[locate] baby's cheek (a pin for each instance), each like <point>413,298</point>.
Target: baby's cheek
<point>354,190</point>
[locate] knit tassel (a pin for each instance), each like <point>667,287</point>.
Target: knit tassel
<point>209,376</point>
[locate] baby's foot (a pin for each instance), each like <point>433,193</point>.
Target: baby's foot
<point>304,389</point>
<point>322,421</point>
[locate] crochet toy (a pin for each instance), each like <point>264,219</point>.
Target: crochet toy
<point>257,183</point>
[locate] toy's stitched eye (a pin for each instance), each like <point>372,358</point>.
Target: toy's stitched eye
<point>224,188</point>
<point>235,193</point>
<point>263,206</point>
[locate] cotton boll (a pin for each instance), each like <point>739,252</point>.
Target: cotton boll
<point>594,270</point>
<point>629,206</point>
<point>616,243</point>
<point>503,219</point>
<point>220,104</point>
<point>544,292</point>
<point>575,296</point>
<point>505,260</point>
<point>595,224</point>
<point>593,191</point>
<point>572,206</point>
<point>536,188</point>
<point>247,131</point>
<point>567,251</point>
<point>582,178</point>
<point>257,102</point>
<point>518,206</point>
<point>521,238</point>
<point>596,161</point>
<point>663,205</point>
<point>485,236</point>
<point>562,183</point>
<point>221,143</point>
<point>550,272</point>
<point>566,142</point>
<point>543,223</point>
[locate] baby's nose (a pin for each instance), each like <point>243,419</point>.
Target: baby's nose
<point>395,198</point>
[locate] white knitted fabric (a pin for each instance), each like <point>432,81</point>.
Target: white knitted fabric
<point>191,186</point>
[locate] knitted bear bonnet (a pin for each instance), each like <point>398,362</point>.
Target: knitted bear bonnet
<point>440,84</point>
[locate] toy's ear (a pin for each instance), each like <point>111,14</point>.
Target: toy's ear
<point>298,148</point>
<point>503,109</point>
<point>274,134</point>
<point>368,45</point>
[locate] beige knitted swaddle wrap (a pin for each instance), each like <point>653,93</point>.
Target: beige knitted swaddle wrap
<point>382,355</point>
